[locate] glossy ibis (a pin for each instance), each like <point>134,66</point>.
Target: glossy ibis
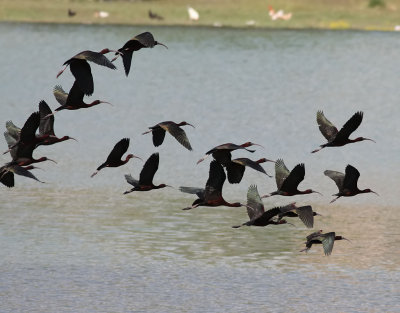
<point>46,126</point>
<point>255,209</point>
<point>72,100</point>
<point>304,213</point>
<point>212,195</point>
<point>114,159</point>
<point>236,168</point>
<point>222,153</point>
<point>346,183</point>
<point>71,13</point>
<point>21,149</point>
<point>143,40</point>
<point>287,182</point>
<point>145,182</point>
<point>174,129</point>
<point>81,70</point>
<point>339,138</point>
<point>326,240</point>
<point>8,170</point>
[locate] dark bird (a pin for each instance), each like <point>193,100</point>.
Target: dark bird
<point>81,70</point>
<point>114,159</point>
<point>174,129</point>
<point>71,13</point>
<point>145,182</point>
<point>212,194</point>
<point>327,240</point>
<point>304,213</point>
<point>21,149</point>
<point>8,170</point>
<point>72,100</point>
<point>222,153</point>
<point>287,182</point>
<point>155,16</point>
<point>143,40</point>
<point>347,183</point>
<point>235,169</point>
<point>255,209</point>
<point>339,138</point>
<point>46,126</point>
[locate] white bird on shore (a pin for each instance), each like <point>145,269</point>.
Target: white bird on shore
<point>193,14</point>
<point>279,15</point>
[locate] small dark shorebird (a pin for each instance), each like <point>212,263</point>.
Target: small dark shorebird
<point>339,138</point>
<point>114,159</point>
<point>326,240</point>
<point>346,183</point>
<point>158,131</point>
<point>145,182</point>
<point>222,153</point>
<point>287,182</point>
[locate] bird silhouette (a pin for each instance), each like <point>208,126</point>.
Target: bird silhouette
<point>304,213</point>
<point>212,194</point>
<point>327,240</point>
<point>158,132</point>
<point>346,183</point>
<point>8,170</point>
<point>143,40</point>
<point>235,169</point>
<point>81,70</point>
<point>222,153</point>
<point>145,182</point>
<point>258,216</point>
<point>114,159</point>
<point>339,138</point>
<point>288,182</point>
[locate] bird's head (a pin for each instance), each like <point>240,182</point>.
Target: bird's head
<point>159,43</point>
<point>42,159</point>
<point>185,123</point>
<point>249,144</point>
<point>341,238</point>
<point>312,191</point>
<point>363,138</point>
<point>67,138</point>
<point>369,190</point>
<point>264,160</point>
<point>130,156</point>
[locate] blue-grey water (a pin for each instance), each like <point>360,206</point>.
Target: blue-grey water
<point>76,244</point>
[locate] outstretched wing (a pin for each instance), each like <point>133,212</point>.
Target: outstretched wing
<point>146,39</point>
<point>6,177</point>
<point>28,131</point>
<point>60,95</point>
<point>216,179</point>
<point>350,126</point>
<point>131,180</point>
<point>255,206</point>
<point>337,177</point>
<point>235,172</point>
<point>281,173</point>
<point>306,215</point>
<point>158,136</point>
<point>293,180</point>
<point>13,130</point>
<point>96,57</point>
<point>327,242</point>
<point>327,129</point>
<point>46,126</point>
<point>193,190</point>
<point>351,178</point>
<point>178,133</point>
<point>119,149</point>
<point>149,169</point>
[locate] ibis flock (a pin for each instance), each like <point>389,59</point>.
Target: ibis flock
<point>39,130</point>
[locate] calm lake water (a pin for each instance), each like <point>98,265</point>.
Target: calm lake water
<point>76,244</point>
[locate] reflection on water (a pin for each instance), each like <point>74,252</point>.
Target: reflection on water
<point>76,244</point>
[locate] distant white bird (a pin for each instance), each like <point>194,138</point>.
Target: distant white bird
<point>101,14</point>
<point>193,14</point>
<point>279,15</point>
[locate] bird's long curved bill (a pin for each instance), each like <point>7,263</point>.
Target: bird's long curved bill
<point>95,173</point>
<point>317,192</point>
<point>135,156</point>
<point>60,72</point>
<point>48,115</point>
<point>265,196</point>
<point>161,44</point>
<point>375,193</point>
<point>370,140</point>
<point>107,103</point>
<point>191,125</point>
<point>51,160</point>
<point>73,139</point>
<point>203,158</point>
<point>346,239</point>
